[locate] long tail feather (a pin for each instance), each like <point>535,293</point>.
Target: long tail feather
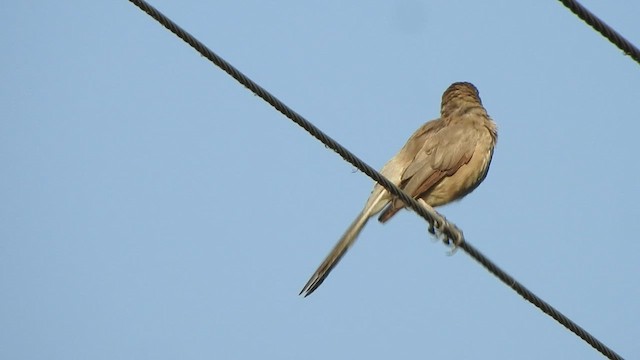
<point>336,254</point>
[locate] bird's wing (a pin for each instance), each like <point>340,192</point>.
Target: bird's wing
<point>443,151</point>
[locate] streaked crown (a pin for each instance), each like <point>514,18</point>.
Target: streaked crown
<point>459,94</point>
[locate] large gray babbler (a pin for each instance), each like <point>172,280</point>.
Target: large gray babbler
<point>444,160</point>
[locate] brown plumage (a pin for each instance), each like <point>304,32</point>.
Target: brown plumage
<point>444,160</point>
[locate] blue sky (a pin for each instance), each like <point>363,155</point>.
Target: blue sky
<point>154,208</point>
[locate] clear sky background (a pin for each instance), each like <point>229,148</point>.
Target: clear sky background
<point>153,208</point>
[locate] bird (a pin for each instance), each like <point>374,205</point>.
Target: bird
<point>443,161</point>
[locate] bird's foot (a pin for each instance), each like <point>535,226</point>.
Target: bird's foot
<point>443,230</point>
<point>449,233</point>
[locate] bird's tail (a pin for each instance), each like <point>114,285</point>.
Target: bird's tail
<point>376,202</point>
<point>336,253</point>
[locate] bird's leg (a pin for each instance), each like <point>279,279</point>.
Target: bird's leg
<point>436,223</point>
<point>448,232</point>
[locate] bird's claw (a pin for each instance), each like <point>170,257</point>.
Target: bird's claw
<point>432,227</point>
<point>448,232</point>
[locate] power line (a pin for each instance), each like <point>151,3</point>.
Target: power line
<point>604,29</point>
<point>451,233</point>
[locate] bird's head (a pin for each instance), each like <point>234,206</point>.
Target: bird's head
<point>457,96</point>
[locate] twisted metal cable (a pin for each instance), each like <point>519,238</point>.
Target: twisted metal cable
<point>604,29</point>
<point>431,217</point>
<point>393,189</point>
<point>539,303</point>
